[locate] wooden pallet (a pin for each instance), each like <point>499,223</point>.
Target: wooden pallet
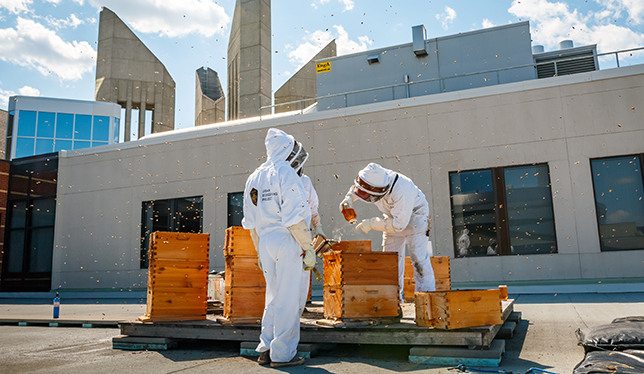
<point>406,332</point>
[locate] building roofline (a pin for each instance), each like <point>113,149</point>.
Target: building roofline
<point>255,123</point>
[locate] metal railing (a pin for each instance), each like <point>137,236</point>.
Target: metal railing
<point>442,80</point>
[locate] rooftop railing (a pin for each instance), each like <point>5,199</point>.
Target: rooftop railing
<point>441,80</point>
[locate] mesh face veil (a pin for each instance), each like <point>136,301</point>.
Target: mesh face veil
<point>298,156</point>
<point>366,192</point>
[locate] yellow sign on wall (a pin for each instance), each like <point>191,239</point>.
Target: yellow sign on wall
<point>323,67</point>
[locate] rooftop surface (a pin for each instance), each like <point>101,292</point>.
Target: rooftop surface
<point>545,338</point>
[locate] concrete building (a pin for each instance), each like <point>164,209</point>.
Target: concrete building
<point>210,102</point>
<point>3,132</point>
<point>302,85</point>
<point>249,59</point>
<point>547,173</point>
<point>479,58</point>
<point>41,125</point>
<point>128,73</point>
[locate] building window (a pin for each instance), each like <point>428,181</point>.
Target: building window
<point>176,215</point>
<point>502,211</point>
<point>235,208</point>
<point>619,200</point>
<point>31,213</point>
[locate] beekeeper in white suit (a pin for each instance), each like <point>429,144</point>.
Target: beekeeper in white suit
<point>405,219</point>
<point>278,216</point>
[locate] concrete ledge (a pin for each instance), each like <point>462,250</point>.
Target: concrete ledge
<point>454,356</point>
<point>138,343</point>
<point>507,330</point>
<point>303,350</point>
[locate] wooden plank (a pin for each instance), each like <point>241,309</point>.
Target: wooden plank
<point>178,246</point>
<point>441,267</point>
<point>238,242</point>
<point>243,271</point>
<point>360,268</point>
<point>459,309</point>
<point>360,301</point>
<point>353,246</point>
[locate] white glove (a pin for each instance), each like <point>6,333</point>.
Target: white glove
<point>302,235</point>
<point>255,238</point>
<point>348,199</point>
<point>377,223</point>
<point>317,226</point>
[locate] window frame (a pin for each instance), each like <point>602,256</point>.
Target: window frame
<point>502,221</point>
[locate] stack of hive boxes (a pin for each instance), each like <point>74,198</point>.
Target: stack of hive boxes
<point>459,308</point>
<point>245,287</point>
<point>177,277</point>
<point>442,274</point>
<point>360,285</point>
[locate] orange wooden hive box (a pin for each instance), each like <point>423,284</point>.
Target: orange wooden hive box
<point>459,308</point>
<point>245,287</point>
<point>442,275</point>
<point>360,285</point>
<point>177,277</point>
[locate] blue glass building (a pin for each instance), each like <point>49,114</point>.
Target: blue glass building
<point>40,125</point>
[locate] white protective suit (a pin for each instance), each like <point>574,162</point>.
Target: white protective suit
<point>406,217</point>
<point>275,199</point>
<point>314,202</point>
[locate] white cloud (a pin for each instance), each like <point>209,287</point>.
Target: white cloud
<point>15,6</point>
<point>29,91</point>
<point>634,8</point>
<point>447,17</point>
<point>55,2</point>
<point>25,90</point>
<point>487,23</point>
<point>71,21</point>
<point>348,4</point>
<point>170,18</point>
<point>552,22</point>
<point>313,42</point>
<point>32,44</point>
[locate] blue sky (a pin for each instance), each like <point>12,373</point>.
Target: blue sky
<point>48,47</point>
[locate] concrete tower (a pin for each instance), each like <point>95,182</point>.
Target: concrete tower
<point>302,85</point>
<point>129,74</point>
<point>249,59</point>
<point>210,102</point>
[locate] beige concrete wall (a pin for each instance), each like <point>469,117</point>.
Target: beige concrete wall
<point>562,121</point>
<point>302,85</point>
<point>249,59</point>
<point>207,110</point>
<point>128,73</point>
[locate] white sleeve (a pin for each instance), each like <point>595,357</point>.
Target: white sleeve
<point>403,205</point>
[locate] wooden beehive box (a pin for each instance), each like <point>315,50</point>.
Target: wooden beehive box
<point>243,271</point>
<point>245,286</point>
<point>360,285</point>
<point>459,308</point>
<point>442,275</point>
<point>177,277</point>
<point>238,242</point>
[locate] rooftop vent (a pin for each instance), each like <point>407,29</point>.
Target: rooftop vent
<point>537,49</point>
<point>373,59</point>
<point>580,60</point>
<point>419,37</point>
<point>565,44</point>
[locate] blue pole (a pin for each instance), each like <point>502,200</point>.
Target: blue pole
<point>56,305</point>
